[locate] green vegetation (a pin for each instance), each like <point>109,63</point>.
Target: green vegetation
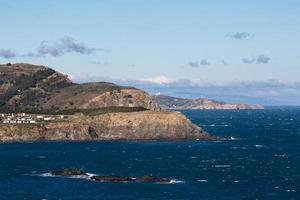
<point>88,112</point>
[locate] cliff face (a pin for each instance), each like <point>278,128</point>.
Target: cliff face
<point>167,102</point>
<point>128,126</point>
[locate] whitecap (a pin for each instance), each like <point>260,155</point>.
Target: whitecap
<point>175,181</point>
<point>48,174</point>
<point>81,177</point>
<point>222,166</point>
<point>202,180</point>
<point>41,157</point>
<point>233,138</point>
<point>90,174</point>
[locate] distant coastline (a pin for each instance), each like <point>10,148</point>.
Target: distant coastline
<point>175,103</point>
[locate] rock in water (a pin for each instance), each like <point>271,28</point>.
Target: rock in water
<point>69,172</point>
<point>112,179</point>
<point>151,179</point>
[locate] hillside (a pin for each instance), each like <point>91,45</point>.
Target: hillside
<point>168,102</point>
<point>32,87</point>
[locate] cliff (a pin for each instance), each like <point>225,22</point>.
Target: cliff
<point>146,125</point>
<point>168,102</point>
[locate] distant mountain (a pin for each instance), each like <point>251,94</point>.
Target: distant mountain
<point>168,102</point>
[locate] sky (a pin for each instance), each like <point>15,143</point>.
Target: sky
<point>191,43</point>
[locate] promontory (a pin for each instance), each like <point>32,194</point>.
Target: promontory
<point>39,103</point>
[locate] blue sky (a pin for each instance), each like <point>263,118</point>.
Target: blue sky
<point>156,41</point>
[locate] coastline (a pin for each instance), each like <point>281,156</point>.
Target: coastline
<point>146,125</point>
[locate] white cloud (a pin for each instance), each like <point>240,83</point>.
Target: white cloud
<point>57,48</point>
<point>158,80</point>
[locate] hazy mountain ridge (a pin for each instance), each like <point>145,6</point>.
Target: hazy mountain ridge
<point>168,102</point>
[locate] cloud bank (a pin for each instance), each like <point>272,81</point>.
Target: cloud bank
<point>270,92</point>
<point>195,64</point>
<point>57,48</point>
<point>261,59</point>
<point>64,45</point>
<point>7,53</point>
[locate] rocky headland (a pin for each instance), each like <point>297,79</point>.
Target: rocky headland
<point>39,90</point>
<point>144,125</point>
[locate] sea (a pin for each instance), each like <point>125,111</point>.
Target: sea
<point>258,158</point>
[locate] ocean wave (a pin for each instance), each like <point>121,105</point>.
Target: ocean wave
<point>175,181</point>
<point>218,125</point>
<point>48,174</point>
<point>233,138</point>
<point>259,146</point>
<point>222,166</point>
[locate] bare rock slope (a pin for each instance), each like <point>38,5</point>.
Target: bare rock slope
<point>25,86</point>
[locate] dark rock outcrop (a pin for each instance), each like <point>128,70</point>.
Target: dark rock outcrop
<point>70,172</point>
<point>112,179</point>
<point>152,179</point>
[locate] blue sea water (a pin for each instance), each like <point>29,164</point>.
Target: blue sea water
<point>260,160</point>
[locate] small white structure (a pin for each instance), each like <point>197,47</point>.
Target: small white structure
<point>48,118</point>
